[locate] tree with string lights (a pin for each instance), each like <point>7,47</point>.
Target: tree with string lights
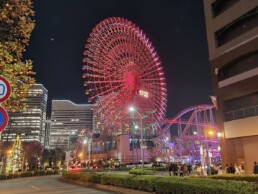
<point>15,156</point>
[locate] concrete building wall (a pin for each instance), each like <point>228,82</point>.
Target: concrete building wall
<point>239,136</point>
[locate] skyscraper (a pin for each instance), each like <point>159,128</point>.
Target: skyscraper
<point>30,123</point>
<point>232,34</point>
<point>66,118</point>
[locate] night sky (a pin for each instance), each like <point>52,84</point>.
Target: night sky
<point>175,27</point>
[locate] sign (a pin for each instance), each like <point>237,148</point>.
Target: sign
<point>5,89</point>
<point>144,93</point>
<point>67,156</point>
<point>3,118</point>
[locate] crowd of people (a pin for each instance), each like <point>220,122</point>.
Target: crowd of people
<point>178,169</point>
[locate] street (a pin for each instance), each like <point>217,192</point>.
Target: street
<point>43,184</point>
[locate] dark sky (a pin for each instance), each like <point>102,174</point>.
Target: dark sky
<point>175,27</point>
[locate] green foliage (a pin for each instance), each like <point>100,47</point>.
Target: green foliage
<point>87,177</point>
<point>120,180</point>
<point>27,174</point>
<point>141,172</point>
<point>249,178</point>
<point>168,185</point>
<point>161,168</point>
<point>200,185</point>
<point>16,25</point>
<point>144,183</point>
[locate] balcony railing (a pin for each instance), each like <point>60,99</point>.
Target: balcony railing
<point>241,113</point>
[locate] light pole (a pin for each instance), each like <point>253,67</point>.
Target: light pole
<point>84,143</point>
<point>132,109</point>
<point>208,152</point>
<point>68,151</point>
<point>68,145</point>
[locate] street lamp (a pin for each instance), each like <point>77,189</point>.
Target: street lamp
<point>68,145</point>
<point>132,109</point>
<point>84,143</point>
<point>208,152</point>
<point>68,150</point>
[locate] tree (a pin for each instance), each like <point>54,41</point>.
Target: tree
<point>16,25</point>
<point>32,150</point>
<point>15,157</point>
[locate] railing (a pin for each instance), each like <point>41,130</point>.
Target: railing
<point>241,113</point>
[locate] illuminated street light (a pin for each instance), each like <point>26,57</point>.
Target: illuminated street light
<point>210,132</point>
<point>68,150</point>
<point>132,109</point>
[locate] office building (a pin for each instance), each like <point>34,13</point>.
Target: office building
<point>68,118</point>
<point>30,123</point>
<point>232,34</point>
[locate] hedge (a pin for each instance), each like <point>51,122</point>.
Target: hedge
<point>141,172</point>
<point>248,178</point>
<point>28,174</point>
<point>167,185</point>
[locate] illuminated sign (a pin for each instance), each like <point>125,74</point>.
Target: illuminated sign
<point>144,93</point>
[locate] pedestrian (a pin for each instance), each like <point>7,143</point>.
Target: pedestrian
<point>170,169</point>
<point>237,171</point>
<point>199,169</point>
<point>242,168</point>
<point>189,169</point>
<point>255,171</point>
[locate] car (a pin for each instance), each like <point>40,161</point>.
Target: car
<point>74,168</point>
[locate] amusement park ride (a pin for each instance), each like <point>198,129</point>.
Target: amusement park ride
<point>122,69</point>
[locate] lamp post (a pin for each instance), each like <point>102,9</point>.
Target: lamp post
<point>68,145</point>
<point>68,150</point>
<point>132,109</point>
<point>84,143</point>
<point>208,153</point>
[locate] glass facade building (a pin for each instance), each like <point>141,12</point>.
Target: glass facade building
<point>68,118</point>
<point>30,123</point>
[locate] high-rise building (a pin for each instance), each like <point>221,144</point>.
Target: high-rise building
<point>30,123</point>
<point>232,34</point>
<point>66,118</point>
<point>47,133</point>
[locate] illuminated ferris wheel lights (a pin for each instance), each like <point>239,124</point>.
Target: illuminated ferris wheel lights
<point>131,109</point>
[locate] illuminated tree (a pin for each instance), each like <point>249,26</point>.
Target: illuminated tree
<point>15,156</point>
<point>16,25</point>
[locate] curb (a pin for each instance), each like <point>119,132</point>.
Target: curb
<point>114,189</point>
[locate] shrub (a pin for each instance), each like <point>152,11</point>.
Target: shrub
<point>141,172</point>
<point>200,185</point>
<point>120,180</point>
<point>167,185</point>
<point>144,183</point>
<point>249,178</point>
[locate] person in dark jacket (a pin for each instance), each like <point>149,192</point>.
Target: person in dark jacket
<point>255,171</point>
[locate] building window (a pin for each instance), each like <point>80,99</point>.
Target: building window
<point>242,107</point>
<point>240,65</point>
<point>238,27</point>
<point>220,6</point>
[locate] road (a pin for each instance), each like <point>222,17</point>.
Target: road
<point>43,184</point>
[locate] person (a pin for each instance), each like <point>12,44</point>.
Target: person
<point>199,169</point>
<point>189,169</point>
<point>242,168</point>
<point>255,171</point>
<point>170,169</point>
<point>216,169</point>
<point>237,171</point>
<point>232,169</point>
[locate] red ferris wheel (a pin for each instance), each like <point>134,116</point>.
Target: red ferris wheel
<point>122,69</point>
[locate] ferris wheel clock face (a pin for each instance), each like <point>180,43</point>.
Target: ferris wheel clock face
<point>122,69</point>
